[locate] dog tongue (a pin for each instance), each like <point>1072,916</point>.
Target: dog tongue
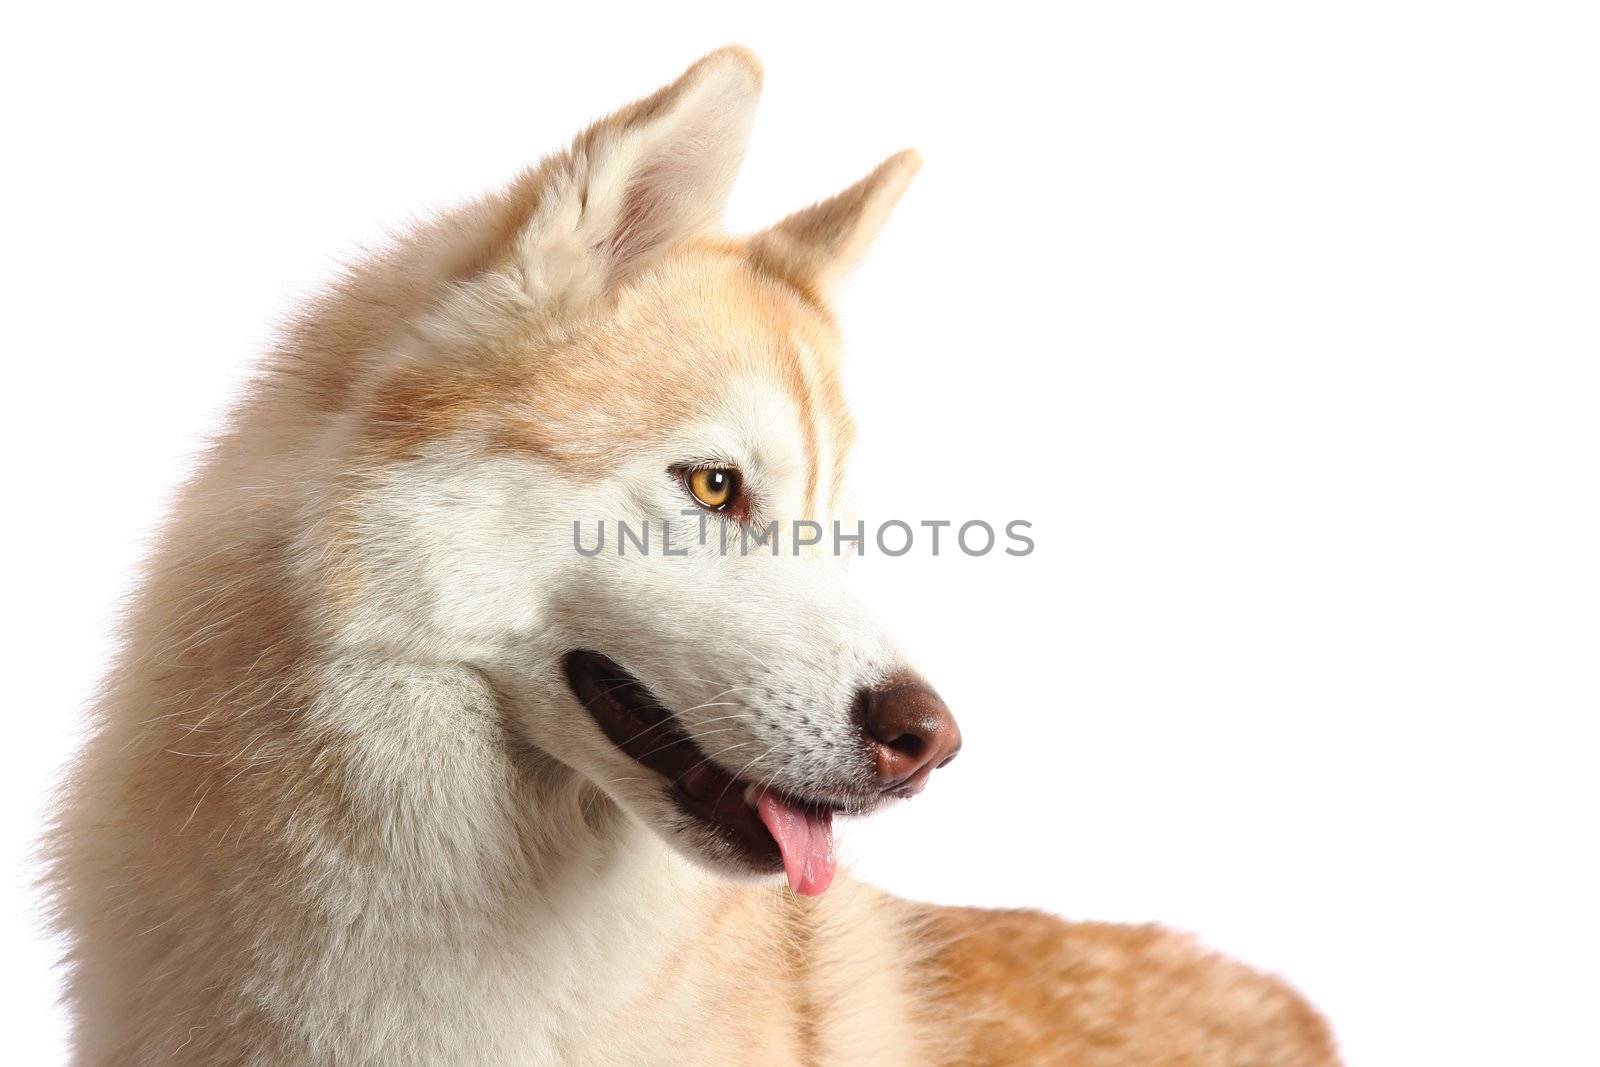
<point>806,840</point>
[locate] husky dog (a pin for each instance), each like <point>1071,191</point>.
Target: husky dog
<point>388,773</point>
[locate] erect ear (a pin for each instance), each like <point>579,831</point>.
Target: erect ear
<point>817,245</point>
<point>639,181</point>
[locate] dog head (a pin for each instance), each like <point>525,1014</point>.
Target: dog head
<point>603,464</point>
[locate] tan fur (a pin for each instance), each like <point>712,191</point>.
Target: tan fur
<point>815,246</point>
<point>1033,989</point>
<point>308,828</point>
<point>521,385</point>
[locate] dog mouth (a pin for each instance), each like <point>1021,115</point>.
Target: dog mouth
<point>767,829</point>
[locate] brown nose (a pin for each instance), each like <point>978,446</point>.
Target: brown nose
<point>909,731</point>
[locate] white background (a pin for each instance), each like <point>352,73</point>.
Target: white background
<point>1278,321</point>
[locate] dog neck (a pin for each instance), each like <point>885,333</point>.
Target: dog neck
<point>429,836</point>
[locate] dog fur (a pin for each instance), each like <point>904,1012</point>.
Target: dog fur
<point>340,806</point>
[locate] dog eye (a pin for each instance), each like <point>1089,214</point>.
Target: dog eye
<point>713,488</point>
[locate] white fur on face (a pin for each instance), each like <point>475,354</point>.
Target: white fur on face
<point>760,655</point>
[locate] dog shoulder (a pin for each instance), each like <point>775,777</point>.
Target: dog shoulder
<point>1024,987</point>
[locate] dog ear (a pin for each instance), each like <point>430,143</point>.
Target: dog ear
<point>814,247</point>
<point>635,183</point>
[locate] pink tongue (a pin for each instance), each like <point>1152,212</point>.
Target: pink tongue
<point>806,840</point>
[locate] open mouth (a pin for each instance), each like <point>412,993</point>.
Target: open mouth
<point>769,830</point>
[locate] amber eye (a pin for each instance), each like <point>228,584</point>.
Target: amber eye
<point>713,487</point>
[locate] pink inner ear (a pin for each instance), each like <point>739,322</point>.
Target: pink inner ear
<point>676,192</point>
<point>659,171</point>
<point>639,224</point>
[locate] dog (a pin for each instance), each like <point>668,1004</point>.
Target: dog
<point>396,768</point>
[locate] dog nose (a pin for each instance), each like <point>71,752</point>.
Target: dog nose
<point>909,730</point>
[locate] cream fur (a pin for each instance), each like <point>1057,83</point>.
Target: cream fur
<point>339,805</point>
